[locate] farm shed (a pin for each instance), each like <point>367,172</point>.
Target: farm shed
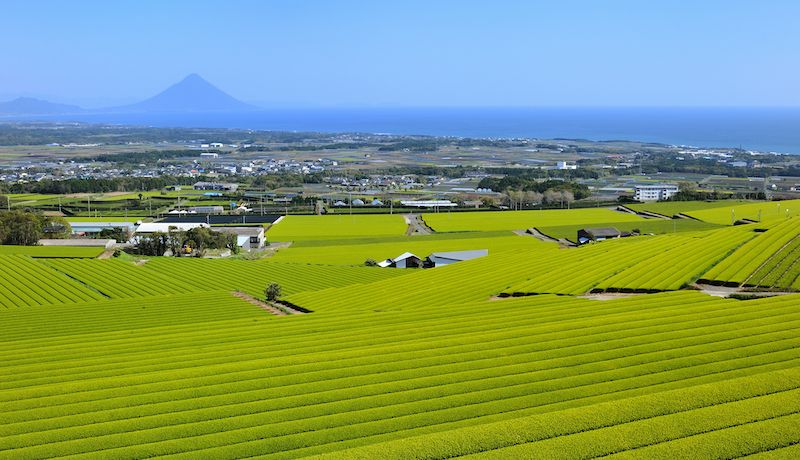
<point>438,259</point>
<point>404,260</point>
<point>597,234</point>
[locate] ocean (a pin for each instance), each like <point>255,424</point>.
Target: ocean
<point>762,129</point>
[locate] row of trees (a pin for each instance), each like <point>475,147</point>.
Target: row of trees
<point>26,228</point>
<point>191,243</point>
<point>117,184</point>
<point>520,199</point>
<point>532,184</point>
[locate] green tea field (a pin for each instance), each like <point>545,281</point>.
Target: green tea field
<point>623,348</point>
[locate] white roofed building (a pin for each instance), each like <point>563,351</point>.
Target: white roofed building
<point>439,259</point>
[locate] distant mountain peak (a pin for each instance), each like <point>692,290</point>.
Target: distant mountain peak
<point>192,94</point>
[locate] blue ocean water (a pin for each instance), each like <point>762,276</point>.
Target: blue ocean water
<point>763,129</point>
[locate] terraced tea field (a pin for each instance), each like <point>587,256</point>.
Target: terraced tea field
<point>25,282</point>
<point>209,376</point>
<point>161,276</point>
<point>506,356</point>
<point>766,211</point>
<point>759,256</point>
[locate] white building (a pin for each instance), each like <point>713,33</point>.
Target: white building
<point>246,237</point>
<point>427,203</point>
<point>654,192</point>
<point>565,165</point>
<point>153,227</point>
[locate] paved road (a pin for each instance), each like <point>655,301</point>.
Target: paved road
<point>416,226</point>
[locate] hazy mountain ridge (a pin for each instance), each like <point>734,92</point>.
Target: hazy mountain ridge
<point>33,106</point>
<point>192,94</point>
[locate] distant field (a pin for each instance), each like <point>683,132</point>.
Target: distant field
<point>671,208</point>
<point>769,211</point>
<point>657,226</point>
<point>520,220</point>
<point>298,228</point>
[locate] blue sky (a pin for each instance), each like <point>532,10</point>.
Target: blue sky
<point>408,53</point>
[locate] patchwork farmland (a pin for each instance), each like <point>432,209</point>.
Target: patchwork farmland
<point>540,349</point>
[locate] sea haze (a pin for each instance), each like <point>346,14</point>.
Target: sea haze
<point>763,129</point>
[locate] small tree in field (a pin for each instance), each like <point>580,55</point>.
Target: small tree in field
<point>272,292</point>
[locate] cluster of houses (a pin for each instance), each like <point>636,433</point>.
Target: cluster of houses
<point>436,259</point>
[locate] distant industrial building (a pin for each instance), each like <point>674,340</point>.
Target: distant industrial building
<point>428,203</point>
<point>654,192</point>
<point>154,227</point>
<point>207,209</point>
<point>95,228</point>
<point>227,187</point>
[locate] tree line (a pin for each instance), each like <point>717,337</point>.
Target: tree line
<point>24,228</point>
<point>117,184</point>
<point>189,243</point>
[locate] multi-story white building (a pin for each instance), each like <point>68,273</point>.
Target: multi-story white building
<point>654,192</point>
